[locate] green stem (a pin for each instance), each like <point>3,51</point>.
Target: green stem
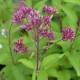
<point>11,53</point>
<point>37,51</point>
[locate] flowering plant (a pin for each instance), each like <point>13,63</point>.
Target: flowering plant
<point>42,42</point>
<point>39,25</point>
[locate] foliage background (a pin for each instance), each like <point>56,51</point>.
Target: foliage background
<point>56,66</point>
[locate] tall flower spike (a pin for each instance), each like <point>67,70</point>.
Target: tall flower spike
<point>68,34</point>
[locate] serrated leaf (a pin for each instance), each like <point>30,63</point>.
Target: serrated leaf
<point>27,63</point>
<point>51,60</point>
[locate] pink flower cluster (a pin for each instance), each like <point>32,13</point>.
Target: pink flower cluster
<point>34,19</point>
<point>68,34</point>
<point>29,19</point>
<point>20,47</point>
<point>46,33</point>
<point>49,10</point>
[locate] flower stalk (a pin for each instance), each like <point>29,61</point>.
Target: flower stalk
<point>37,53</point>
<point>11,53</point>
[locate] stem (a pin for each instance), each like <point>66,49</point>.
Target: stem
<point>49,46</point>
<point>11,53</point>
<point>36,42</point>
<point>37,50</point>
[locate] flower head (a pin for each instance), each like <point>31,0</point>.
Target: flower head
<point>68,34</point>
<point>47,20</point>
<point>55,11</point>
<point>20,47</point>
<point>30,19</point>
<point>49,10</point>
<point>50,35</point>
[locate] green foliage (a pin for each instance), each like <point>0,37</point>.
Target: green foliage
<point>74,59</point>
<point>50,60</point>
<point>42,74</point>
<point>64,75</point>
<point>27,63</point>
<point>73,1</point>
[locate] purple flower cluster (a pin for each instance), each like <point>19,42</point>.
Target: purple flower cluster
<point>68,34</point>
<point>49,10</point>
<point>46,33</point>
<point>20,47</point>
<point>34,19</point>
<point>31,20</point>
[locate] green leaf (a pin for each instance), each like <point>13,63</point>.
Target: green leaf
<point>69,12</point>
<point>64,63</point>
<point>8,73</point>
<point>73,1</point>
<point>17,73</point>
<point>65,45</point>
<point>74,59</point>
<point>29,3</point>
<point>51,60</point>
<point>52,72</point>
<point>27,63</point>
<point>42,75</point>
<point>55,26</point>
<point>34,75</point>
<point>40,5</point>
<point>77,43</point>
<point>64,75</point>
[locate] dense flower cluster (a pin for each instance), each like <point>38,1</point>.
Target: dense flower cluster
<point>20,47</point>
<point>68,34</point>
<point>31,20</point>
<point>49,10</point>
<point>34,19</point>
